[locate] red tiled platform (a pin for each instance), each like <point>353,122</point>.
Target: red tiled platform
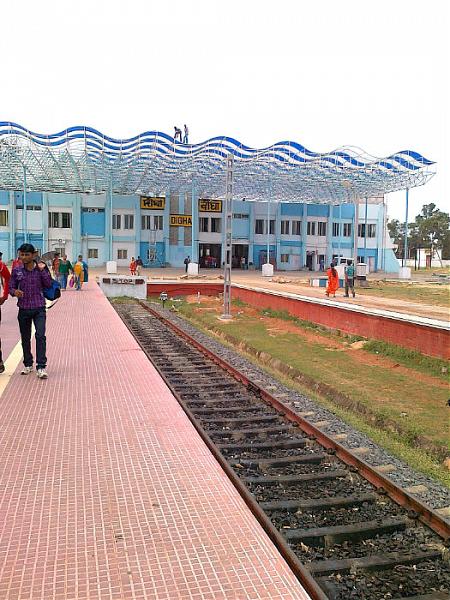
<point>107,491</point>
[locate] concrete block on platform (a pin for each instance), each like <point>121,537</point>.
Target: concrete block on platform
<point>404,273</point>
<point>111,267</point>
<point>131,286</point>
<point>267,270</point>
<point>192,268</point>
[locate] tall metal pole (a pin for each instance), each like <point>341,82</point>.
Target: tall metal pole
<point>365,233</point>
<point>355,237</point>
<point>194,213</point>
<point>268,227</point>
<point>340,232</point>
<point>228,240</point>
<point>110,249</point>
<point>24,211</point>
<point>405,249</point>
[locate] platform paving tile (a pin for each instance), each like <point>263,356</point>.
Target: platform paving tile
<point>107,491</point>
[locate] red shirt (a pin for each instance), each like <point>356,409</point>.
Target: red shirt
<point>5,276</point>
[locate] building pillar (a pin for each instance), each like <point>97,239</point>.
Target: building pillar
<point>181,205</point>
<point>251,233</point>
<point>194,236</point>
<point>278,234</point>
<point>355,232</point>
<point>329,235</point>
<point>24,210</point>
<point>304,235</point>
<point>76,227</point>
<point>12,227</point>
<point>166,232</point>
<point>405,245</point>
<point>137,225</point>
<point>44,226</point>
<point>108,225</point>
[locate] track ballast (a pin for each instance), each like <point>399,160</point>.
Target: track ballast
<point>343,536</point>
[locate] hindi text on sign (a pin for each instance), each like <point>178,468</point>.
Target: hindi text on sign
<point>210,205</point>
<point>152,203</point>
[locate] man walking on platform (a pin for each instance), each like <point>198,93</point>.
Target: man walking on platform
<point>4,290</point>
<point>349,275</point>
<point>27,284</point>
<point>186,135</point>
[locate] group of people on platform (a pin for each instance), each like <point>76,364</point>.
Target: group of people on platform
<point>70,274</point>
<point>136,265</point>
<point>333,280</point>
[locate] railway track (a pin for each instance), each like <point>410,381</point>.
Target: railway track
<point>346,530</point>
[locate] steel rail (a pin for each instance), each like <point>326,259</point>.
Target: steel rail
<point>424,513</point>
<point>299,570</point>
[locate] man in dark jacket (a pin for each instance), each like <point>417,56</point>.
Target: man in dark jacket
<point>27,284</point>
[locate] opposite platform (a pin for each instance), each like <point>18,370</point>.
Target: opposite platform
<point>107,491</point>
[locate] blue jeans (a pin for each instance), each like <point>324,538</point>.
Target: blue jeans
<point>26,317</point>
<point>63,280</point>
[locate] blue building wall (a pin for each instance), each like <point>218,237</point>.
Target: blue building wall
<point>93,229</point>
<point>93,223</point>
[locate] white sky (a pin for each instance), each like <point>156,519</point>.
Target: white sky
<point>325,74</point>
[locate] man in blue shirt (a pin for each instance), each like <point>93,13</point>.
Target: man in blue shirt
<point>349,275</point>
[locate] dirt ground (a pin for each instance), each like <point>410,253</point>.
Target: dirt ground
<point>275,327</point>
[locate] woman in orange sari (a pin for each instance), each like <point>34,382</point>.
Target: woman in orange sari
<point>333,281</point>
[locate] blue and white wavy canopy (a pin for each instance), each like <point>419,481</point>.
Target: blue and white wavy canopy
<point>81,159</point>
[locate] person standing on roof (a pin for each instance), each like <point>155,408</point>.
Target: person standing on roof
<point>5,276</point>
<point>177,133</point>
<point>27,284</point>
<point>186,135</point>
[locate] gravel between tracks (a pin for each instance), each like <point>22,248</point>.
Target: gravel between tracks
<point>436,495</point>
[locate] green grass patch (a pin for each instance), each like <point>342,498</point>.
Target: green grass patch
<point>410,358</point>
<point>239,303</point>
<point>399,445</point>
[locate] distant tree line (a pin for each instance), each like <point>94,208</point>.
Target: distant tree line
<point>429,230</point>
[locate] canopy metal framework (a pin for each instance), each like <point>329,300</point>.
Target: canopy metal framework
<point>82,159</point>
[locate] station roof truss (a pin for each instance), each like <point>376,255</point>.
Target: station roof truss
<point>82,159</point>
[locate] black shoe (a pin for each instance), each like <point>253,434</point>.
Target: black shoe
<point>2,367</point>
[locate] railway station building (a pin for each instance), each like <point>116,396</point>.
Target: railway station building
<point>219,202</point>
<point>160,230</point>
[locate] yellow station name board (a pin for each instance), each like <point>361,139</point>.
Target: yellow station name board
<point>181,220</point>
<point>153,203</point>
<point>210,205</point>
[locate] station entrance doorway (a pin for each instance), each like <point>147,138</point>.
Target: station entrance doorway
<point>239,256</point>
<point>210,256</point>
